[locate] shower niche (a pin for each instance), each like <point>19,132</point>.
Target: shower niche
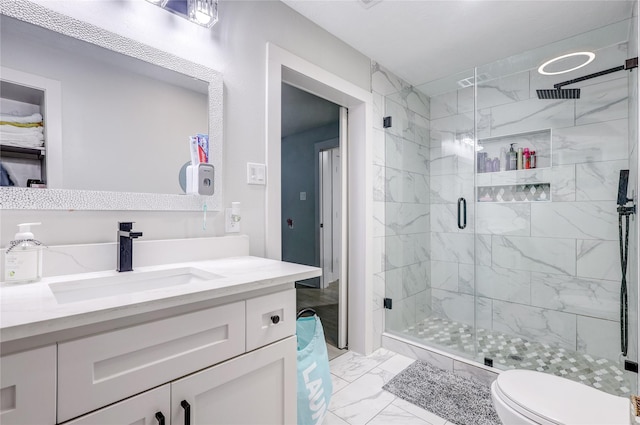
<point>496,184</point>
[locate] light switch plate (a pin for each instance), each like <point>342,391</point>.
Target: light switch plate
<point>256,173</point>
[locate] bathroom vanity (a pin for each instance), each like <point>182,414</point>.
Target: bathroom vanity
<point>199,342</point>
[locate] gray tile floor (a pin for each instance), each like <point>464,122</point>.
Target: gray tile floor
<point>358,397</point>
<point>509,352</point>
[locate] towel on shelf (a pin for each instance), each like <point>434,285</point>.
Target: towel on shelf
<point>33,118</point>
<point>22,141</point>
<point>19,124</point>
<point>10,129</point>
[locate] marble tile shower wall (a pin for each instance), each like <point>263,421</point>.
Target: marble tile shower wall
<point>401,202</point>
<point>547,271</point>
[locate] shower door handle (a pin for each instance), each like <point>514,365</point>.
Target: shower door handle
<point>462,213</point>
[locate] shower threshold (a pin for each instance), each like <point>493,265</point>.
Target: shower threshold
<point>510,352</point>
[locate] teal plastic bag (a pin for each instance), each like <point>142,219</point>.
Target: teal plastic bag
<point>314,376</point>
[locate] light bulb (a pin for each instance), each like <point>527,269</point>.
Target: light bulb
<point>203,12</point>
<point>161,3</point>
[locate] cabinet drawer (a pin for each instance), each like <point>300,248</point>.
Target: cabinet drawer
<point>101,369</point>
<point>28,387</point>
<point>140,409</point>
<point>261,328</point>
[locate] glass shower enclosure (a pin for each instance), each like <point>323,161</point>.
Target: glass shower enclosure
<point>503,230</point>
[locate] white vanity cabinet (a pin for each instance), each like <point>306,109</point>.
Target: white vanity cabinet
<point>234,363</point>
<point>28,387</point>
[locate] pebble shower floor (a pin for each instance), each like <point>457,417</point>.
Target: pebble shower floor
<point>509,352</point>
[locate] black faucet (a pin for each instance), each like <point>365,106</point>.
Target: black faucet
<point>125,246</point>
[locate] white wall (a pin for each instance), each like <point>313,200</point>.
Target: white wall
<point>236,47</point>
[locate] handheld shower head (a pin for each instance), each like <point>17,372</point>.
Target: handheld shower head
<point>623,184</point>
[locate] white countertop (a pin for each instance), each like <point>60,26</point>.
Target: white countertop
<point>31,309</point>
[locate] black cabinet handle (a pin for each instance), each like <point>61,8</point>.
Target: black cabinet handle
<point>275,319</point>
<point>160,418</point>
<point>187,412</point>
<point>462,215</point>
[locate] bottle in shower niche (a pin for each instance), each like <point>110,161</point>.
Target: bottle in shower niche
<point>481,162</point>
<point>488,164</point>
<point>526,158</point>
<point>503,159</point>
<point>519,159</point>
<point>513,159</point>
<point>533,160</point>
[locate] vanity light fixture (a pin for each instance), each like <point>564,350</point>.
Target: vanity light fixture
<point>590,56</point>
<point>201,12</point>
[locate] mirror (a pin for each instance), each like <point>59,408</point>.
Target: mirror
<point>117,115</point>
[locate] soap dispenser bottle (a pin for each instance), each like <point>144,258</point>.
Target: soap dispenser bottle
<point>23,259</point>
<point>513,158</point>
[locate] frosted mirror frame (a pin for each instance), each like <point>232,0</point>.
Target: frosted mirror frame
<point>65,199</point>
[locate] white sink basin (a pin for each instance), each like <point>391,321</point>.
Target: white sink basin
<point>126,283</point>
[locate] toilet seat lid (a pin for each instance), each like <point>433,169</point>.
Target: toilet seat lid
<point>561,401</point>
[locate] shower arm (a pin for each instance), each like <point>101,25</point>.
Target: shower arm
<point>628,64</point>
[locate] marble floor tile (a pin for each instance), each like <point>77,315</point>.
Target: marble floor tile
<point>395,415</point>
<point>351,366</point>
<point>397,363</point>
<point>363,399</point>
<point>419,412</point>
<point>333,419</point>
<point>338,383</point>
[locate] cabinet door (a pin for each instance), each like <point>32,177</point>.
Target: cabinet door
<point>141,409</point>
<point>256,388</point>
<point>28,387</point>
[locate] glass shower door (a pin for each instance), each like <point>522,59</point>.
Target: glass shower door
<point>548,274</point>
<point>429,206</point>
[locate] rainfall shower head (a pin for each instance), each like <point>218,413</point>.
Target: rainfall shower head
<point>558,93</point>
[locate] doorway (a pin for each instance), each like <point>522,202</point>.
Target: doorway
<point>310,202</point>
<point>357,207</point>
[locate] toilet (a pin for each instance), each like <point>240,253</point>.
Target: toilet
<point>535,398</point>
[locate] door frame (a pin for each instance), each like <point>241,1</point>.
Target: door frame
<point>283,66</point>
<point>325,212</point>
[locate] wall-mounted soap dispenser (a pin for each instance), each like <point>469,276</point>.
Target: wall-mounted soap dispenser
<point>23,259</point>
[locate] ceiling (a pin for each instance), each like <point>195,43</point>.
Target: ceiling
<point>424,40</point>
<point>302,111</point>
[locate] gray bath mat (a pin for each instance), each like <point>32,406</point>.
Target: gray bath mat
<point>460,400</point>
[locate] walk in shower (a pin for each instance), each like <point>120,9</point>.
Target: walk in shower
<point>519,268</point>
